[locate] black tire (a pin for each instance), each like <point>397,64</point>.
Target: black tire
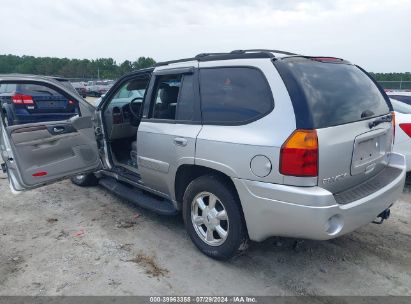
<point>85,180</point>
<point>237,237</point>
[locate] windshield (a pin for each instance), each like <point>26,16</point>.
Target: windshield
<point>133,89</point>
<point>400,106</point>
<point>332,93</point>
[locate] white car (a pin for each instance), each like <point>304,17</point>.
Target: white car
<point>402,143</point>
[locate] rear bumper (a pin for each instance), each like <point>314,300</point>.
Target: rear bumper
<point>404,148</point>
<point>311,212</point>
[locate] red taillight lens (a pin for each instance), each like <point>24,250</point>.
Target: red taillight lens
<point>326,59</point>
<point>299,154</point>
<point>22,99</point>
<point>71,102</point>
<point>406,128</point>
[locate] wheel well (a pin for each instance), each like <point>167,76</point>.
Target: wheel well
<point>187,173</point>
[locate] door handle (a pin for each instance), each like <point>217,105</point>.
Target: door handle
<point>58,129</point>
<point>179,141</point>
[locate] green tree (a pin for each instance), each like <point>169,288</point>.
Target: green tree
<point>71,68</point>
<point>143,62</point>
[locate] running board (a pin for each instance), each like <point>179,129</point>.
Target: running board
<point>160,206</point>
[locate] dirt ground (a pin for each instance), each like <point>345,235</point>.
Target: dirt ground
<point>66,240</point>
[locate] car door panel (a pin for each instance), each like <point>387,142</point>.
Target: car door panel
<point>43,152</point>
<point>160,155</point>
<point>43,155</point>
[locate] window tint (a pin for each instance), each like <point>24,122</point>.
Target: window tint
<point>165,97</point>
<point>234,95</point>
<point>186,102</point>
<point>36,89</point>
<point>334,93</point>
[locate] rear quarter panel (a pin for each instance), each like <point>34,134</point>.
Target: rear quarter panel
<point>402,143</point>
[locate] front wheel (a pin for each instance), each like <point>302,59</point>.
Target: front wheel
<point>85,180</point>
<point>213,218</point>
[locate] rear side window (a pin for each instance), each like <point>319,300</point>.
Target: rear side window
<point>186,104</point>
<point>326,94</point>
<point>234,95</point>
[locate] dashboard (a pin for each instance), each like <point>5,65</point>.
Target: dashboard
<point>117,117</point>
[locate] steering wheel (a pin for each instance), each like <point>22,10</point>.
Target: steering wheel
<point>135,115</point>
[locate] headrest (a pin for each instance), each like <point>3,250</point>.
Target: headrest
<point>169,94</point>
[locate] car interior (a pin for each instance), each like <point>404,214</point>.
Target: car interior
<point>122,116</point>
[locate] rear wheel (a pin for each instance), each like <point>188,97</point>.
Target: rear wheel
<point>85,180</point>
<point>213,218</point>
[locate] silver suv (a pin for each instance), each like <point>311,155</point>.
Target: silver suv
<point>246,145</point>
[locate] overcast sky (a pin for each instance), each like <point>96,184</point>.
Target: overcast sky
<point>375,34</point>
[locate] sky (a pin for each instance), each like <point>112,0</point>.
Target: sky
<point>374,34</point>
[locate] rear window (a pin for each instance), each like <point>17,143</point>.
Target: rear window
<point>326,94</point>
<point>234,95</point>
<point>35,89</point>
<point>402,98</point>
<point>400,106</point>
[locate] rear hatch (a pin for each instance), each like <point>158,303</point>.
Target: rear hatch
<point>350,112</point>
<point>43,100</point>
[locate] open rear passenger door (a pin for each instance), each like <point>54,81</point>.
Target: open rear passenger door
<point>47,150</point>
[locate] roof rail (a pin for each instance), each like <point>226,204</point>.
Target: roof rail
<point>202,55</point>
<point>236,54</point>
<point>174,61</point>
<point>262,50</point>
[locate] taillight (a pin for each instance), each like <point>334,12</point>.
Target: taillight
<point>299,154</point>
<point>22,99</point>
<point>326,59</point>
<point>71,102</point>
<point>406,128</point>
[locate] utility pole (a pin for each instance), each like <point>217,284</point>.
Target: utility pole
<point>98,73</point>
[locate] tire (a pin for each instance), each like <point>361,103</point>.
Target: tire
<point>236,238</point>
<point>84,180</point>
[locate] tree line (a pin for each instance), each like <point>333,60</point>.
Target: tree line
<point>392,76</point>
<point>104,68</point>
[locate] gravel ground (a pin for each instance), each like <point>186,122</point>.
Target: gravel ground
<point>66,240</point>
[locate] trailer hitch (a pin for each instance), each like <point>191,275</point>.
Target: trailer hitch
<point>383,216</point>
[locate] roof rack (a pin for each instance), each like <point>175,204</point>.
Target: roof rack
<point>236,54</point>
<point>174,61</point>
<point>262,50</point>
<point>203,55</point>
